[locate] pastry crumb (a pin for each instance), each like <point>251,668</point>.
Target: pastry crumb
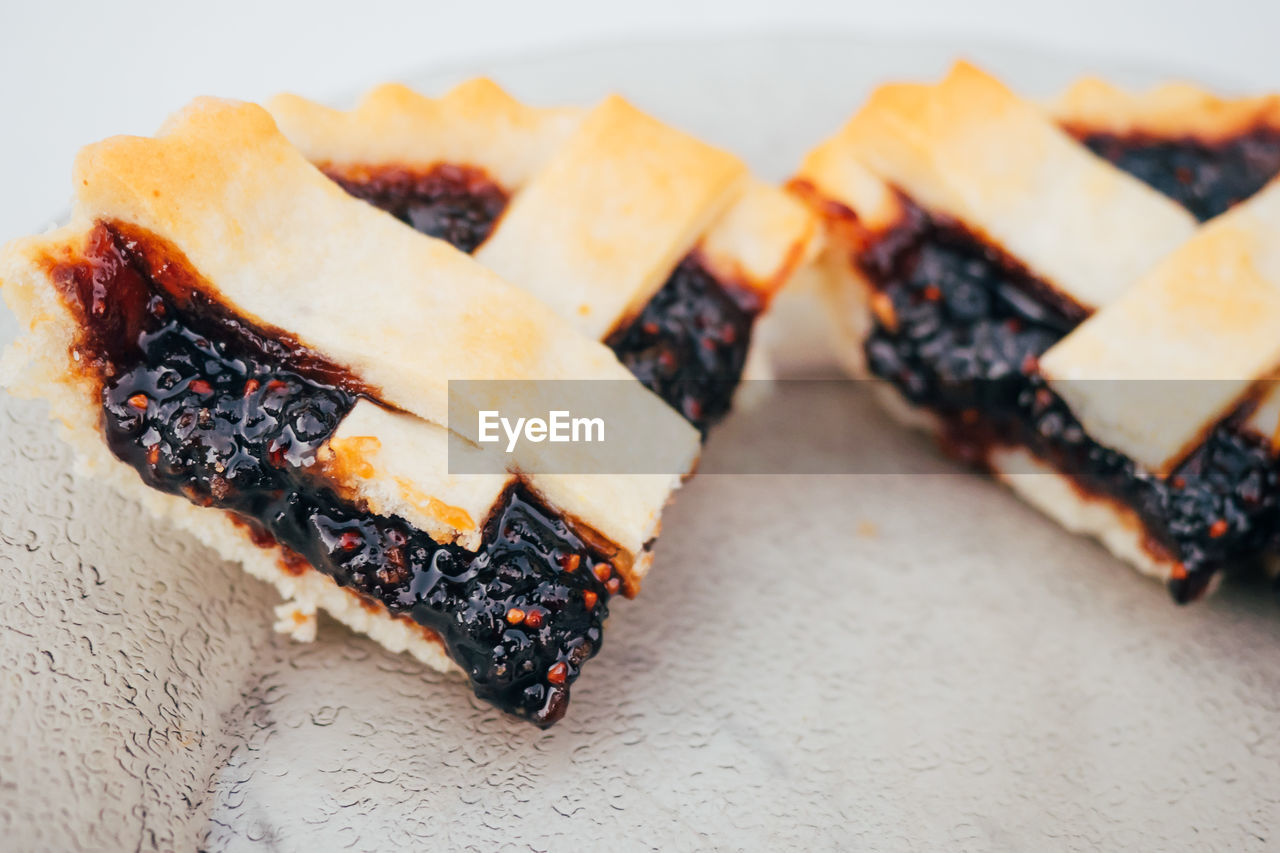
<point>297,619</point>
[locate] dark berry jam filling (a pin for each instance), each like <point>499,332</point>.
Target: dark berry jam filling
<point>689,344</point>
<point>228,417</point>
<point>968,327</point>
<point>459,204</point>
<point>1205,177</point>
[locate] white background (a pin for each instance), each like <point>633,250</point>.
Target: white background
<point>71,73</point>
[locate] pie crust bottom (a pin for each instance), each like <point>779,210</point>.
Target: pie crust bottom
<point>1050,491</point>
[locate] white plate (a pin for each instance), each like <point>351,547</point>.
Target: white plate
<point>816,662</point>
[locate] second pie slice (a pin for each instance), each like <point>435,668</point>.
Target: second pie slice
<point>1035,284</point>
<point>228,336</point>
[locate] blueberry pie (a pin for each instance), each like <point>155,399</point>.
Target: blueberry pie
<point>223,324</point>
<point>640,236</point>
<point>1082,297</point>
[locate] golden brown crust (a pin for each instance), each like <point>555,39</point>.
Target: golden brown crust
<point>1173,110</point>
<point>476,123</point>
<point>397,464</point>
<point>762,240</point>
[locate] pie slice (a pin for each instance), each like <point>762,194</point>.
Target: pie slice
<point>227,335</point>
<point>1037,286</point>
<point>639,235</point>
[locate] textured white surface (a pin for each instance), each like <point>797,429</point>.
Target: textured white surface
<point>994,684</point>
<point>818,662</point>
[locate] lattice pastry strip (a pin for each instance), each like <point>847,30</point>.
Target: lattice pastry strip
<point>1002,264</point>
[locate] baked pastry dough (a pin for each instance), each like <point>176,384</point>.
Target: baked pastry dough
<point>637,234</point>
<point>1029,278</point>
<point>222,323</point>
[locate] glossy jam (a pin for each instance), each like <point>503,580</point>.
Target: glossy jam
<point>459,204</point>
<point>688,344</point>
<point>1206,177</point>
<point>969,327</point>
<point>206,408</point>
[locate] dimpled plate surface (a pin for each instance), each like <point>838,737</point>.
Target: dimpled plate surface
<point>817,662</point>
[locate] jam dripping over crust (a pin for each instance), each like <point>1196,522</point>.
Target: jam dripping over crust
<point>1207,177</point>
<point>223,418</point>
<point>459,204</point>
<point>689,343</point>
<point>959,330</point>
